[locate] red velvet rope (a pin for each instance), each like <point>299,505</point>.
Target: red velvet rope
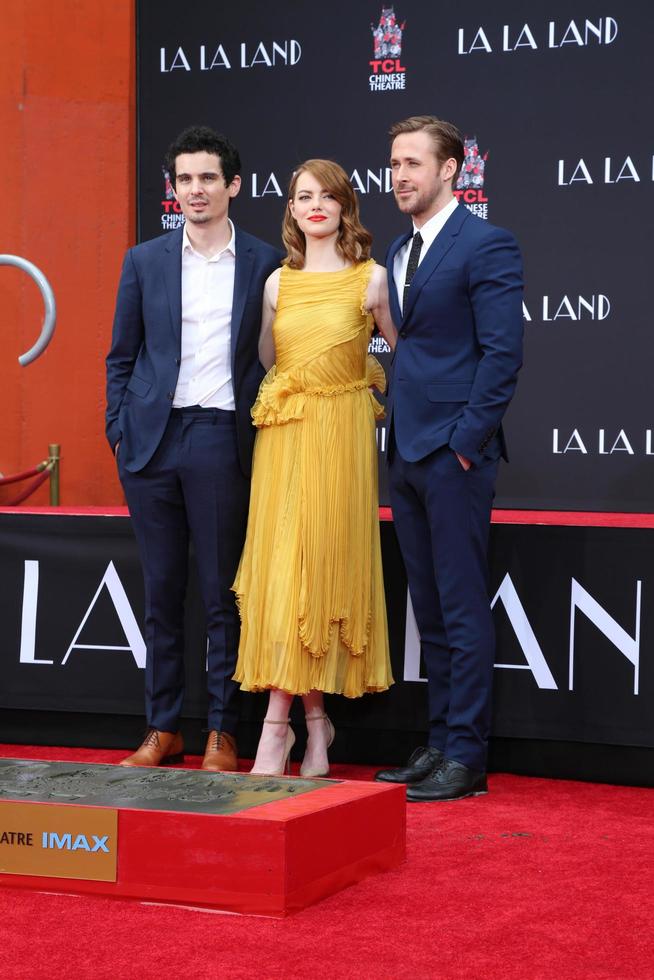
<point>29,489</point>
<point>21,476</point>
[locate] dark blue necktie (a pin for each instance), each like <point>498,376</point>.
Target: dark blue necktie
<point>414,258</point>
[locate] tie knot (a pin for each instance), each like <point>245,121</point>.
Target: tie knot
<point>417,240</point>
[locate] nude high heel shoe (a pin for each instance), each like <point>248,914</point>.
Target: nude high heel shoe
<point>305,769</point>
<point>285,760</point>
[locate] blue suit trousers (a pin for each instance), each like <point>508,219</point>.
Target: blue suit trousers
<point>442,518</point>
<point>192,488</point>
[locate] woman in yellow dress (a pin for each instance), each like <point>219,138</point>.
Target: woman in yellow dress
<point>309,586</point>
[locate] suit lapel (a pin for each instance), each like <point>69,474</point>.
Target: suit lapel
<point>242,276</point>
<point>172,273</point>
<point>393,298</point>
<point>435,255</point>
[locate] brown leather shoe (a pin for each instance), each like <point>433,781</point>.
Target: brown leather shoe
<point>220,754</point>
<point>157,749</point>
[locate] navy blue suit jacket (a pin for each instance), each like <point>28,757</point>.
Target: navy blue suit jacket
<point>143,362</point>
<point>459,347</point>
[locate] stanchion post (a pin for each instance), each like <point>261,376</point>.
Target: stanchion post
<point>54,455</point>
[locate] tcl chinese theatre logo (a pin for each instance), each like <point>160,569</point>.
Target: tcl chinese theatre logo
<point>171,212</point>
<point>388,73</point>
<point>470,185</point>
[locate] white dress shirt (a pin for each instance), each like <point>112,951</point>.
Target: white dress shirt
<point>205,373</point>
<point>428,233</point>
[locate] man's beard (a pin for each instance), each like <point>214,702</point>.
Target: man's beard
<point>409,208</point>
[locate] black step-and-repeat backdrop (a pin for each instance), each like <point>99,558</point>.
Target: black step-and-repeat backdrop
<point>574,625</point>
<point>554,101</point>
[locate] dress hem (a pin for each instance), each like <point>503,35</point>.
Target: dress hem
<point>259,689</point>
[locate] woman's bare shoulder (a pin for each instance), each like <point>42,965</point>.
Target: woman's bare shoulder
<point>377,284</point>
<point>271,289</point>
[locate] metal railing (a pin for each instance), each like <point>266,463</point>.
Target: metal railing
<point>38,474</point>
<point>50,318</point>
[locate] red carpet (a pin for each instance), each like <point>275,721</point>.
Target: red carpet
<point>540,879</point>
<point>574,518</point>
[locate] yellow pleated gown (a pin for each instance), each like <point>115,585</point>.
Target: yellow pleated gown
<point>309,586</point>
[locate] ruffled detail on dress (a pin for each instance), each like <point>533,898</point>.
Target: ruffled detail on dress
<point>282,395</point>
<point>281,399</point>
<point>376,378</point>
<point>318,645</point>
<point>366,273</point>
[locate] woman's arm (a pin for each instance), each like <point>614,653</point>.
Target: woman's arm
<point>377,303</point>
<point>266,343</point>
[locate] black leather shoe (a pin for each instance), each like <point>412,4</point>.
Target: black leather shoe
<point>421,764</point>
<point>451,781</point>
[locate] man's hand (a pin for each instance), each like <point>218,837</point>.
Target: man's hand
<point>465,463</point>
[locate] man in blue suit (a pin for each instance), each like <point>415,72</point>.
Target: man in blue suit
<point>182,374</point>
<point>455,285</point>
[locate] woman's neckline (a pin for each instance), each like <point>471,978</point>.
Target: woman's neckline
<point>324,272</point>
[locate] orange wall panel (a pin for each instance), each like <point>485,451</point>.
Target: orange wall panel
<point>67,112</point>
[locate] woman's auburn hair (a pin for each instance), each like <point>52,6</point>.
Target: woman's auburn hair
<point>353,241</point>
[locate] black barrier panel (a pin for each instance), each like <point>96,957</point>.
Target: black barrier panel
<point>553,101</point>
<point>572,609</point>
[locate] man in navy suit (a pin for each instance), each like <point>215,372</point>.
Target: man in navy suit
<point>455,285</point>
<point>182,374</point>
